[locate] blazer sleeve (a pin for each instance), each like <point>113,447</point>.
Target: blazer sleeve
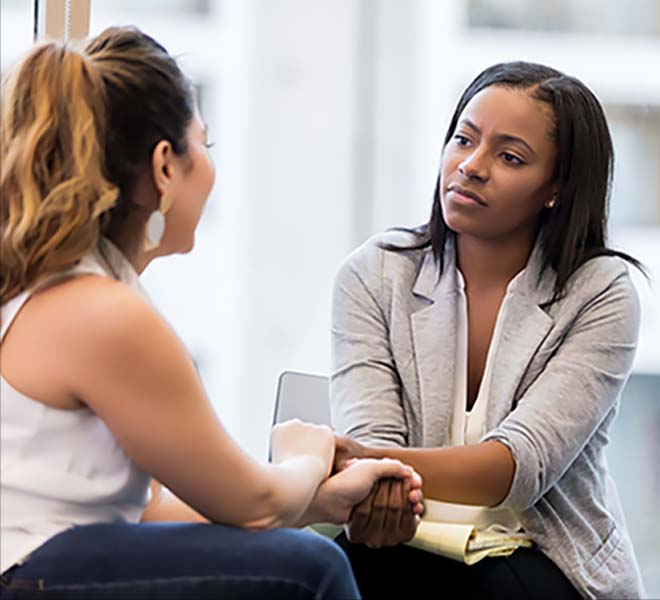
<point>365,389</point>
<point>580,386</point>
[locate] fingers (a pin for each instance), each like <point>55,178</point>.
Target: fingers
<point>404,492</point>
<point>375,531</point>
<point>357,526</point>
<point>416,480</point>
<point>386,468</point>
<point>409,523</point>
<point>399,508</point>
<point>347,448</point>
<point>397,505</point>
<point>416,499</point>
<point>341,453</point>
<point>349,463</point>
<point>389,515</point>
<point>392,519</point>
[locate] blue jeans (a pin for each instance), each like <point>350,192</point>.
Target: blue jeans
<point>182,560</point>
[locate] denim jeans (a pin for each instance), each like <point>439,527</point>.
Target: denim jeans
<point>182,560</point>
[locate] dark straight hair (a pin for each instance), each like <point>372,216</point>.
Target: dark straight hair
<point>575,230</point>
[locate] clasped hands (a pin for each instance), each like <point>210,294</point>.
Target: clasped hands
<point>390,513</point>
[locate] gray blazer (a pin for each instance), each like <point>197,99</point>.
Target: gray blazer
<point>557,375</point>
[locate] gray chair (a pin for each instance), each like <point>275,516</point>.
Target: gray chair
<point>303,396</point>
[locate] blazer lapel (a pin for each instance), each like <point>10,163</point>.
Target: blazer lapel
<point>434,335</point>
<point>524,328</point>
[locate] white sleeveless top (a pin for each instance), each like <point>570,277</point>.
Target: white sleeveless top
<point>60,468</point>
<point>468,427</point>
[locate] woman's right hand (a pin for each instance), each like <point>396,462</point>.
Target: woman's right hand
<point>295,438</point>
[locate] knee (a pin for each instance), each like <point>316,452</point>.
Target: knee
<point>323,564</point>
<point>316,552</point>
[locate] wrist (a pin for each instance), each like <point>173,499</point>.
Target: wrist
<point>318,510</point>
<point>315,467</point>
<point>314,514</point>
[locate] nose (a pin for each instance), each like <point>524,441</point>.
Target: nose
<point>474,166</point>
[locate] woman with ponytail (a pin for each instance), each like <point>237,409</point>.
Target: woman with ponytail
<point>105,168</point>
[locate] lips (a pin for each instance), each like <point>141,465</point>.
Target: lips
<point>466,194</point>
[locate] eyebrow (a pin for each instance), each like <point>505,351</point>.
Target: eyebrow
<point>502,136</point>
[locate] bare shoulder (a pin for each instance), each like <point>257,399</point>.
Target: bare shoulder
<point>73,332</point>
<point>91,309</point>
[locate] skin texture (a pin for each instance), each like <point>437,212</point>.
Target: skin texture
<point>502,153</point>
<point>92,342</point>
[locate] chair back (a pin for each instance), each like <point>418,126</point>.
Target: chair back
<point>303,396</point>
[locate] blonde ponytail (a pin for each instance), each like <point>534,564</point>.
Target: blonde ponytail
<point>53,189</point>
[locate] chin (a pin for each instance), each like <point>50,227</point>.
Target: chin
<point>459,222</point>
<point>188,247</point>
<point>183,246</point>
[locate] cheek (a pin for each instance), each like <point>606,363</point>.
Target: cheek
<point>210,175</point>
<point>450,161</point>
<point>205,176</point>
<point>524,191</point>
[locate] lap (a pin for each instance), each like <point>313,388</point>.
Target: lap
<point>405,571</point>
<point>185,559</point>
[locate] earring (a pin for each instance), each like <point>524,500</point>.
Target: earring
<point>155,227</point>
<point>551,202</point>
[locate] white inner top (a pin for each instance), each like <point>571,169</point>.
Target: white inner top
<point>468,427</point>
<point>60,468</point>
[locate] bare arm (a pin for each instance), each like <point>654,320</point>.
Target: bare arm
<point>479,474</point>
<point>114,353</point>
<point>165,506</point>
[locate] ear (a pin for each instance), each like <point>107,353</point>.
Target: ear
<point>553,192</point>
<point>162,166</point>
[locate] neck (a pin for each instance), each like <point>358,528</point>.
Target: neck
<point>128,239</point>
<point>487,264</point>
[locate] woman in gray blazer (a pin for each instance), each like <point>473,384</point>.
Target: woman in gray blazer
<point>488,349</point>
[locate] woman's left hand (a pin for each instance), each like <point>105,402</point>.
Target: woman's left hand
<point>388,516</point>
<point>337,496</point>
<point>347,449</point>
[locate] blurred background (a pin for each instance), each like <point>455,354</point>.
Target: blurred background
<point>328,118</point>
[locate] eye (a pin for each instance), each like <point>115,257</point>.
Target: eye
<point>209,145</point>
<point>461,140</point>
<point>511,159</point>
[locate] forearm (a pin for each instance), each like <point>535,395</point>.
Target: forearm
<point>292,485</point>
<point>323,508</point>
<point>165,506</point>
<point>479,474</point>
<point>315,513</point>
